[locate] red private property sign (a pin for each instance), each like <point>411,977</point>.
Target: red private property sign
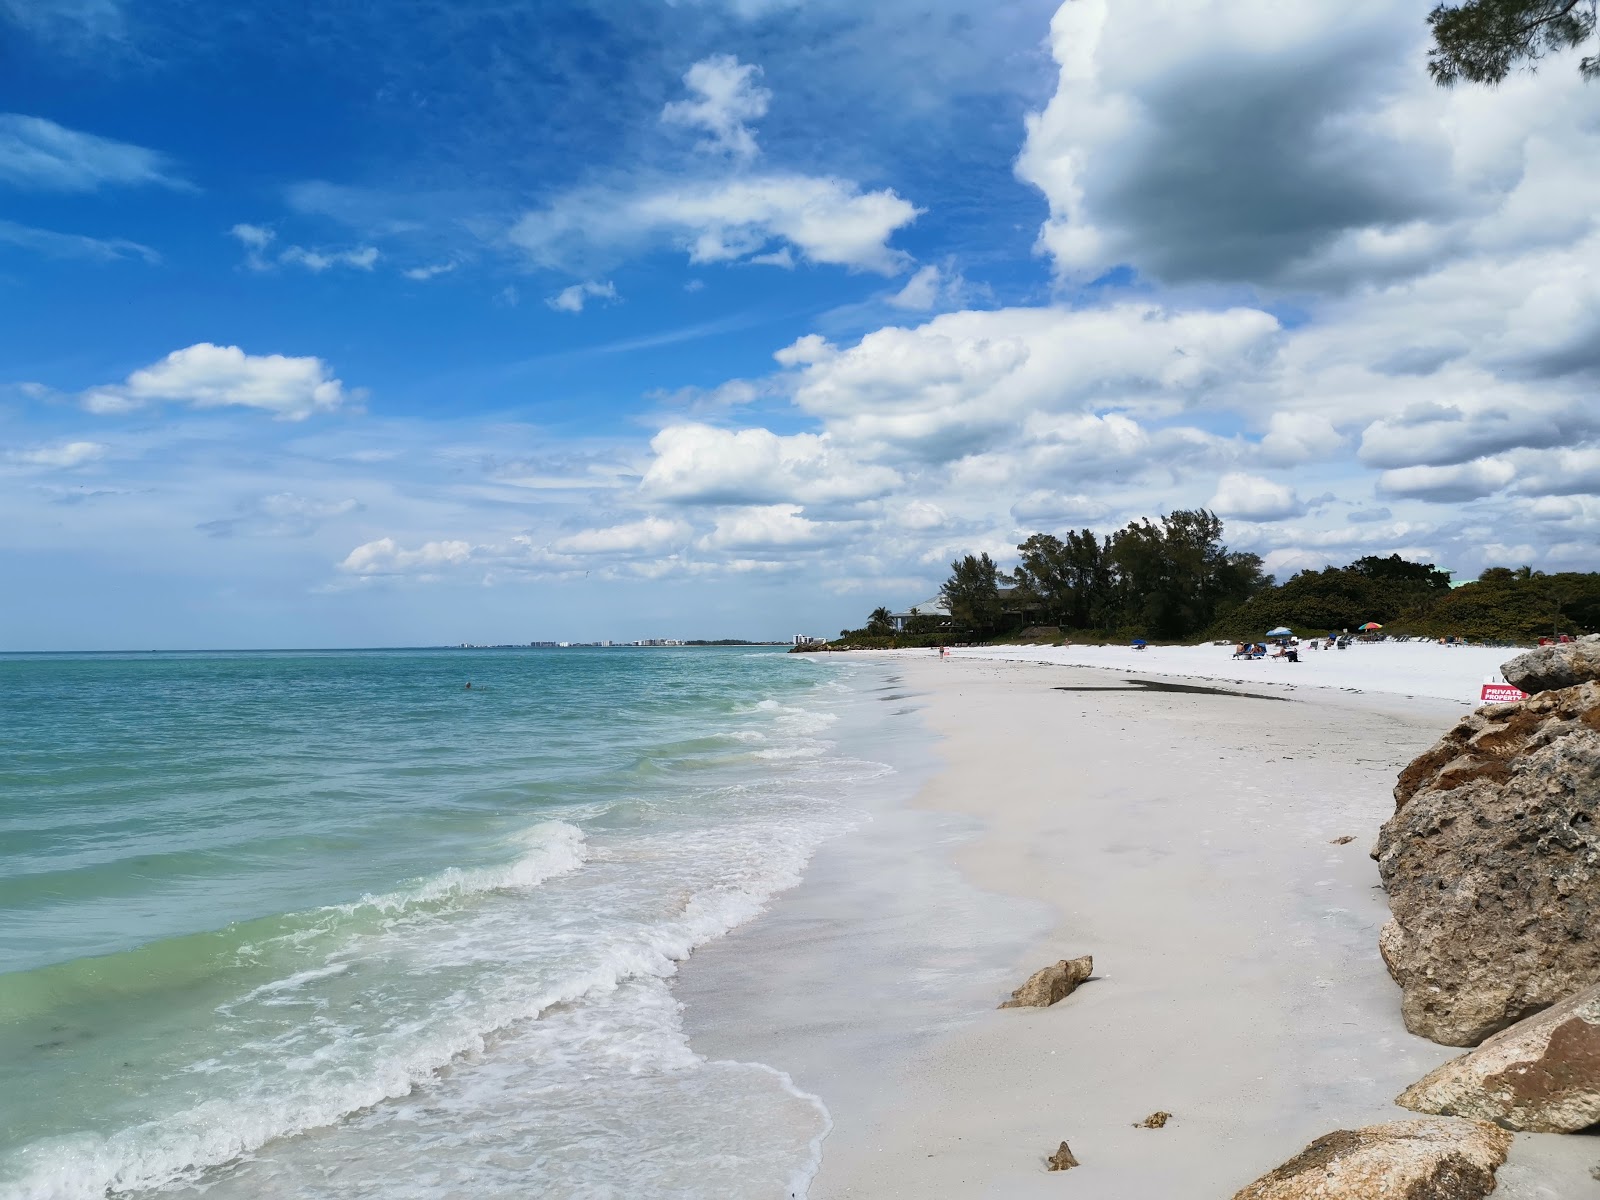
<point>1501,693</point>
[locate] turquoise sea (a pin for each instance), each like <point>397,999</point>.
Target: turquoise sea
<point>332,924</point>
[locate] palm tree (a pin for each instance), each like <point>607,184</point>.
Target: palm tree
<point>880,622</point>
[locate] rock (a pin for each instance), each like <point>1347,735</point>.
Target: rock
<point>1492,865</point>
<point>1062,1159</point>
<point>1053,983</point>
<point>1561,666</point>
<point>1343,841</point>
<point>1156,1120</point>
<point>1433,1158</point>
<point>1540,1076</point>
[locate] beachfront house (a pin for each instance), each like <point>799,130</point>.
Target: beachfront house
<point>935,608</point>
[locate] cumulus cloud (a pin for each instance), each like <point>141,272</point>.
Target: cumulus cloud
<point>1297,437</point>
<point>385,556</point>
<point>1451,484</point>
<point>765,529</point>
<point>1328,161</point>
<point>701,464</point>
<point>208,376</point>
<point>572,299</point>
<point>1564,472</point>
<point>61,456</point>
<point>825,220</point>
<point>1254,499</point>
<point>1044,507</point>
<point>38,154</point>
<point>650,536</point>
<point>948,387</point>
<point>724,95</point>
<point>1440,434</point>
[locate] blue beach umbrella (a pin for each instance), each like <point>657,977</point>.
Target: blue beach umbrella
<point>1139,641</point>
<point>1280,631</point>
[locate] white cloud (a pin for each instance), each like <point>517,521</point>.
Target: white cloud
<point>765,528</point>
<point>650,536</point>
<point>1330,162</point>
<point>572,299</point>
<point>826,220</point>
<point>1450,484</point>
<point>1254,498</point>
<point>72,245</point>
<point>429,271</point>
<point>362,258</point>
<point>1297,437</point>
<point>1042,506</point>
<point>725,97</point>
<point>386,557</point>
<point>920,292</point>
<point>208,376</point>
<point>63,455</point>
<point>281,514</point>
<point>701,464</point>
<point>37,153</point>
<point>1563,472</point>
<point>949,387</point>
<point>257,238</point>
<point>1443,434</point>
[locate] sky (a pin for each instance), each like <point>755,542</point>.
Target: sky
<point>410,322</point>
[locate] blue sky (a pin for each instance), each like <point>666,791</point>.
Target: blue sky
<point>419,322</point>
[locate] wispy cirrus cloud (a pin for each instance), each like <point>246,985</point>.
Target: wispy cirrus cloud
<point>39,155</point>
<point>53,244</point>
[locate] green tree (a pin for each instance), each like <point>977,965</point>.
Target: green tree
<point>1480,41</point>
<point>880,622</point>
<point>972,594</point>
<point>1176,578</point>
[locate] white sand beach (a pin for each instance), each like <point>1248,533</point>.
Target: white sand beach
<point>1187,842</point>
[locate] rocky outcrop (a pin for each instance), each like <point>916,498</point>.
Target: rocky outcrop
<point>1540,1076</point>
<point>1055,982</point>
<point>1492,865</point>
<point>1156,1120</point>
<point>1062,1159</point>
<point>1551,667</point>
<point>1432,1158</point>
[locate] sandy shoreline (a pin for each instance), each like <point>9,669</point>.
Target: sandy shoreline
<point>1182,839</point>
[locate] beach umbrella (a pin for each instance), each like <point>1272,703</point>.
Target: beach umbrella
<point>1370,626</point>
<point>1139,642</point>
<point>1280,631</point>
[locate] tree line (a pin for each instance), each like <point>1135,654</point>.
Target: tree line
<point>1175,580</point>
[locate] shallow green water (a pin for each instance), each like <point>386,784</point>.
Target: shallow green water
<point>255,905</point>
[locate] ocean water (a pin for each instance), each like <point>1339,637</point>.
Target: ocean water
<point>332,925</point>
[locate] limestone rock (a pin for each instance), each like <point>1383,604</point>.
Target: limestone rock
<point>1540,1076</point>
<point>1156,1120</point>
<point>1063,1159</point>
<point>1492,865</point>
<point>1055,982</point>
<point>1561,666</point>
<point>1343,841</point>
<point>1433,1158</point>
